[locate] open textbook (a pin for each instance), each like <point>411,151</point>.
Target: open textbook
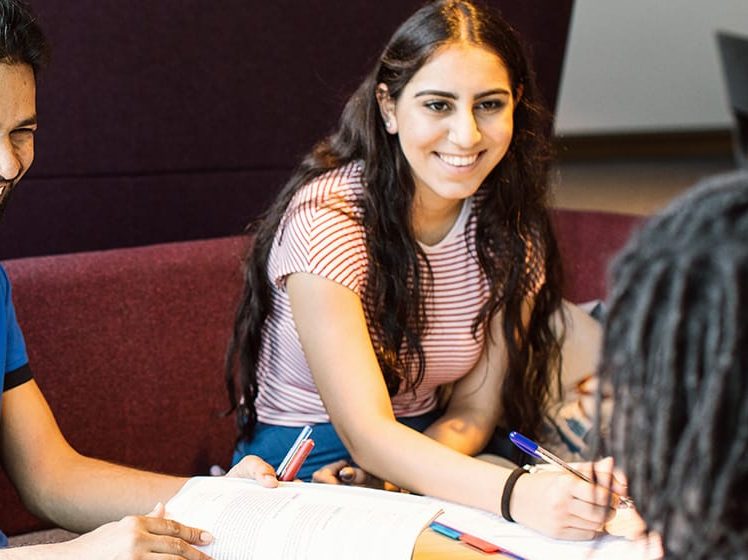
<point>318,521</point>
<point>301,521</point>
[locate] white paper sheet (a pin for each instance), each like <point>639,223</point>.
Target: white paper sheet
<point>300,521</point>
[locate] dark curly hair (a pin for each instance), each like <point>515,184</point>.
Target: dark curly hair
<point>675,352</point>
<point>512,210</point>
<point>21,38</point>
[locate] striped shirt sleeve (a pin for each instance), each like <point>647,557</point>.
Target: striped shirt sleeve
<point>321,234</point>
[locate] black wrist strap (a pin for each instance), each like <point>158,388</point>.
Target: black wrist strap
<point>506,495</point>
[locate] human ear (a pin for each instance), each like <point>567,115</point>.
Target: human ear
<point>387,108</point>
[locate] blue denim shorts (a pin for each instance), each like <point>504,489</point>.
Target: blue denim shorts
<point>272,443</point>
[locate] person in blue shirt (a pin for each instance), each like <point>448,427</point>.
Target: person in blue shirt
<point>15,370</point>
<point>54,481</point>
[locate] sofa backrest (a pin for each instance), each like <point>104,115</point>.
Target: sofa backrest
<point>180,119</point>
<point>128,344</point>
<point>587,241</point>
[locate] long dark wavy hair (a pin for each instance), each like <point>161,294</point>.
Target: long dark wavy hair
<point>512,211</point>
<point>676,355</point>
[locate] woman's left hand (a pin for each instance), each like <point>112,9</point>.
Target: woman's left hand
<point>342,472</point>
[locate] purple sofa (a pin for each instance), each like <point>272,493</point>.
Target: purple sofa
<point>127,344</point>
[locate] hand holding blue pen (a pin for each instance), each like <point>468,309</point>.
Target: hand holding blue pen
<point>534,450</point>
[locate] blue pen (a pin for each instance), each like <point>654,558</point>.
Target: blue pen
<point>535,450</point>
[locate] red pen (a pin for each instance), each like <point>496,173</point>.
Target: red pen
<point>297,460</point>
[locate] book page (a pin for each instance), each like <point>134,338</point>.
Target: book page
<point>297,520</point>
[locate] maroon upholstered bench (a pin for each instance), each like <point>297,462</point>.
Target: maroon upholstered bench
<point>587,241</point>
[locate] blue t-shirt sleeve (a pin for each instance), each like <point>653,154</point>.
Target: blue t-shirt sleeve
<point>11,338</point>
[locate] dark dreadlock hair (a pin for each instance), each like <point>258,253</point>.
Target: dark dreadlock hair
<point>512,211</point>
<point>675,352</point>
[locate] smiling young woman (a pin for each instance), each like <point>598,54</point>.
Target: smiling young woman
<point>454,123</point>
<point>412,250</point>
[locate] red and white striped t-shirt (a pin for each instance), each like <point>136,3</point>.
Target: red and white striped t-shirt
<point>320,235</point>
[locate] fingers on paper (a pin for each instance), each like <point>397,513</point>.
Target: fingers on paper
<point>177,548</point>
<point>254,467</point>
<point>593,502</point>
<point>155,534</point>
<point>594,513</point>
<point>576,534</point>
<point>329,473</point>
<point>170,528</point>
<point>353,475</point>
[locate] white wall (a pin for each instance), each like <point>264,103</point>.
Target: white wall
<point>646,65</point>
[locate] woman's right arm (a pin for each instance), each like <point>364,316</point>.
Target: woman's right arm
<point>333,332</point>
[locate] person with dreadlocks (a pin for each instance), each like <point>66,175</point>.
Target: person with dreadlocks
<point>412,249</point>
<point>675,354</point>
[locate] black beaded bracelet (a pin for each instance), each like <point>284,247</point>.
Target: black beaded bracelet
<point>506,495</point>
